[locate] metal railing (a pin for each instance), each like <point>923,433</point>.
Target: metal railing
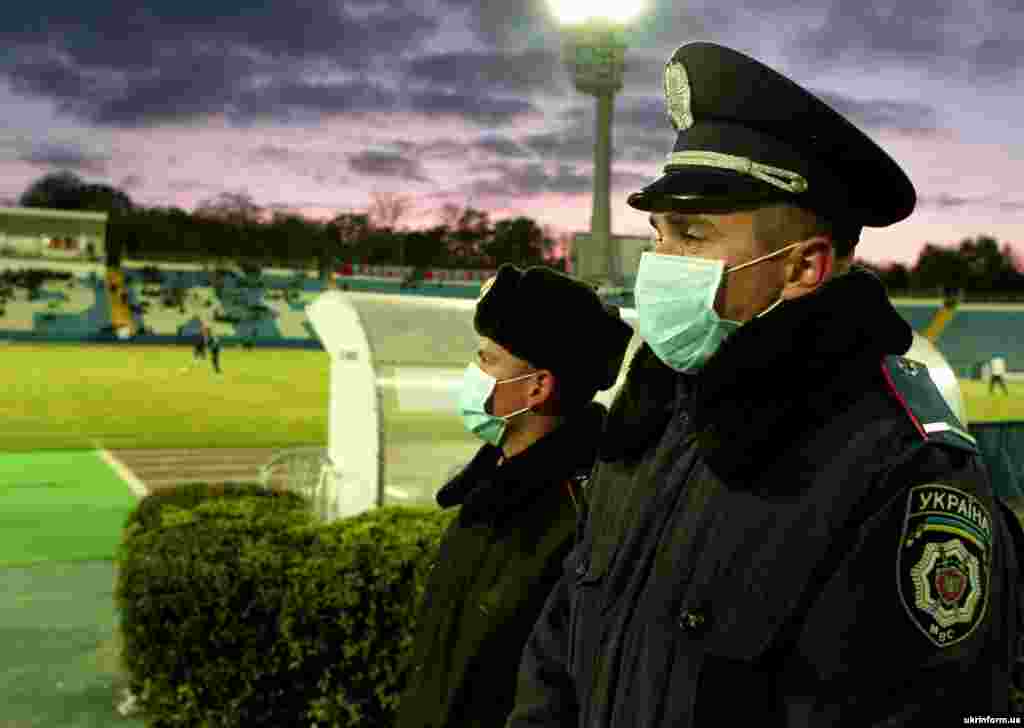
<point>307,471</point>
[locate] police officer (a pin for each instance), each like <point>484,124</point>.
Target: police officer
<point>547,345</point>
<point>787,524</point>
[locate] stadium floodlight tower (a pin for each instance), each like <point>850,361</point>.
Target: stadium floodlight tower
<point>593,49</point>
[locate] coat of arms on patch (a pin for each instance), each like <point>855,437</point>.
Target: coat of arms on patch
<point>910,366</point>
<point>944,562</point>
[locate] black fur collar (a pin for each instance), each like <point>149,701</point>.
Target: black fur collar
<point>490,493</point>
<point>770,381</point>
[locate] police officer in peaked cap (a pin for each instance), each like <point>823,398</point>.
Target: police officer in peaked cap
<point>787,523</point>
<point>547,344</point>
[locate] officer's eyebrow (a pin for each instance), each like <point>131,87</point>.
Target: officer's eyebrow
<point>683,220</point>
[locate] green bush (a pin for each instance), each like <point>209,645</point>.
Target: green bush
<point>239,609</point>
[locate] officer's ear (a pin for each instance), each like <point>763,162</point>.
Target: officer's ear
<point>542,390</point>
<point>808,267</point>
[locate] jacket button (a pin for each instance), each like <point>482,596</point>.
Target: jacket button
<point>692,620</point>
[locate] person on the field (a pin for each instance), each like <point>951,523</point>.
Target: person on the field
<point>997,374</point>
<point>200,347</point>
<point>213,341</point>
<point>547,345</point>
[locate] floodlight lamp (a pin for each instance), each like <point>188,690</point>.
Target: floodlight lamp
<point>579,12</point>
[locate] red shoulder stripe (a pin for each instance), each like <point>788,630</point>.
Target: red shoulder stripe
<point>900,398</point>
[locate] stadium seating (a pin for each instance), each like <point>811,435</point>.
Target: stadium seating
<point>978,332</point>
<point>918,315</point>
<point>266,312</point>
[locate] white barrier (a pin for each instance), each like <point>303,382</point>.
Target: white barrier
<point>354,435</point>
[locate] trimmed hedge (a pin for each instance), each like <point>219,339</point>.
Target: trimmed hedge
<point>239,608</point>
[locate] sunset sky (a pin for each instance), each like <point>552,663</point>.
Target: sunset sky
<point>312,105</point>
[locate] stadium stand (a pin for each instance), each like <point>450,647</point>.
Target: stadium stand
<point>977,332</point>
<point>919,314</point>
<point>168,300</point>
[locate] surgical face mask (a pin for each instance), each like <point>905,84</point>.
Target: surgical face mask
<point>675,299</point>
<point>477,387</point>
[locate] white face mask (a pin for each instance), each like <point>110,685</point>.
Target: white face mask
<point>675,298</point>
<point>477,387</point>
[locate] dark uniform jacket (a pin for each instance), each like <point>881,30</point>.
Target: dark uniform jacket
<point>796,536</point>
<point>496,565</point>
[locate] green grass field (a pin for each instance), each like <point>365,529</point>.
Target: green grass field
<point>982,407</point>
<point>79,397</point>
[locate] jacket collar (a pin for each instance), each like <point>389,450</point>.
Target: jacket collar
<point>491,493</point>
<point>770,381</point>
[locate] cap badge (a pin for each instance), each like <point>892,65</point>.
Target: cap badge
<point>677,96</point>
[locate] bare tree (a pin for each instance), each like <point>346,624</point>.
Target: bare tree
<point>386,209</point>
<point>450,214</point>
<point>235,207</point>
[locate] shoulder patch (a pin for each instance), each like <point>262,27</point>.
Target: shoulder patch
<point>912,386</point>
<point>944,562</point>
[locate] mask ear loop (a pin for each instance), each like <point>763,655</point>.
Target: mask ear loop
<point>758,260</point>
<point>513,379</point>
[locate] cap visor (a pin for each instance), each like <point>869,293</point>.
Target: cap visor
<point>704,189</point>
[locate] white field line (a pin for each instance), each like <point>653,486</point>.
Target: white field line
<point>136,485</point>
<point>397,493</point>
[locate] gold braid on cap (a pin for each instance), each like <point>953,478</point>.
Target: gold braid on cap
<point>777,176</point>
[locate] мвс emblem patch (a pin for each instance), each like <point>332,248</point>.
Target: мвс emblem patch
<point>944,562</point>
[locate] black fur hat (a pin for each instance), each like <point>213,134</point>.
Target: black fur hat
<point>555,322</point>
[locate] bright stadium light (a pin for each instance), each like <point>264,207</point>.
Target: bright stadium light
<point>593,50</point>
<point>574,12</point>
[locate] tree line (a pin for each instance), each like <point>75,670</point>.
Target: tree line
<point>231,226</point>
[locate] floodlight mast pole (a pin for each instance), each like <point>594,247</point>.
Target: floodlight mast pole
<point>594,54</point>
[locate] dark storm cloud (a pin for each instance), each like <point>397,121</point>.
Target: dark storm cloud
<point>882,113</point>
<point>131,182</point>
<point>106,33</point>
<point>948,202</point>
<point>507,24</point>
<point>286,98</point>
<point>502,146</point>
<point>172,61</point>
<point>319,166</point>
<point>386,164</point>
<point>640,133</point>
<point>274,153</point>
<point>535,178</point>
<point>529,179</point>
<point>566,144</point>
<point>491,72</point>
<point>65,157</point>
<point>940,37</point>
<point>997,57</point>
<point>483,110</point>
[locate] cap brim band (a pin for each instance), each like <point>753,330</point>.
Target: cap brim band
<point>705,189</point>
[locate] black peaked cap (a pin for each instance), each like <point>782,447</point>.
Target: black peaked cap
<point>746,133</point>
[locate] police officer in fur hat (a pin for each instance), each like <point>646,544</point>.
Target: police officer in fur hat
<point>547,345</point>
<point>787,524</point>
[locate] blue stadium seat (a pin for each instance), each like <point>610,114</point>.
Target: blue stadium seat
<point>974,336</point>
